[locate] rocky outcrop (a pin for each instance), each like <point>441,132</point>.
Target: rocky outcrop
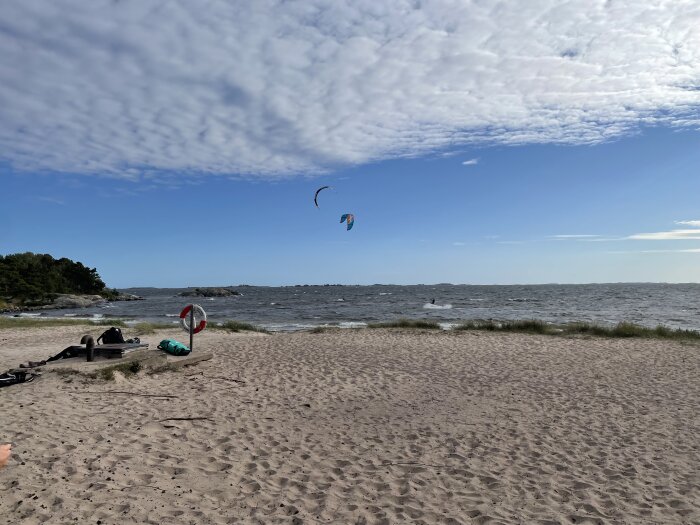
<point>126,297</point>
<point>208,292</point>
<point>60,301</point>
<point>74,301</point>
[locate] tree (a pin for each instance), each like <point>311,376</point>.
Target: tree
<point>35,278</point>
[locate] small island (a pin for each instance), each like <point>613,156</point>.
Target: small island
<point>209,292</point>
<point>30,281</point>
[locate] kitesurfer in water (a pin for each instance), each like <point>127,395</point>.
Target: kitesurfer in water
<point>432,301</point>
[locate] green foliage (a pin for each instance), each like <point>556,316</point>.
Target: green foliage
<point>29,279</point>
<point>623,329</point>
<point>238,326</point>
<point>407,323</point>
<point>110,294</point>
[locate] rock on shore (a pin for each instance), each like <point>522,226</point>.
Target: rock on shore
<point>69,301</point>
<point>74,301</point>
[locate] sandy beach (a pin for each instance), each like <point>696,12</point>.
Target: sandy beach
<point>360,426</point>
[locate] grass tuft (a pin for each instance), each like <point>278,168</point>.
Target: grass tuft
<point>127,369</point>
<point>407,323</point>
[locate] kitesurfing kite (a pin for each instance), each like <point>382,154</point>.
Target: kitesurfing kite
<point>317,192</point>
<point>350,218</point>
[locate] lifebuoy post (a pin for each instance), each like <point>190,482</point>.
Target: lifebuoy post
<point>187,319</point>
<point>191,326</point>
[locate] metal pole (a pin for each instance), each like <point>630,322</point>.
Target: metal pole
<point>191,326</point>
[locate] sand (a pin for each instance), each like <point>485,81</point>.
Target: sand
<point>361,426</point>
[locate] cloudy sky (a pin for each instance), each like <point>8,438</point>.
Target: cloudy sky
<point>475,141</point>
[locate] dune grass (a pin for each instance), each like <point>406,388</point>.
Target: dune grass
<point>108,322</point>
<point>150,328</point>
<point>407,323</point>
<point>623,329</point>
<point>30,322</point>
<point>238,326</point>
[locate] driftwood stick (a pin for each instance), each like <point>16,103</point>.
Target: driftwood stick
<point>184,419</point>
<point>412,464</point>
<point>139,486</point>
<point>129,393</point>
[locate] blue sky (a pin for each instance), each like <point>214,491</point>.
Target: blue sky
<point>532,142</point>
<point>432,219</point>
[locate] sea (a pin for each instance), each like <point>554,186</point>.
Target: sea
<point>303,307</point>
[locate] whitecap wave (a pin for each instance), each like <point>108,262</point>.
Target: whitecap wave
<point>430,306</point>
<point>352,324</point>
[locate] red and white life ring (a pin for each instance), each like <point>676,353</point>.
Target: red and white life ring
<point>200,318</point>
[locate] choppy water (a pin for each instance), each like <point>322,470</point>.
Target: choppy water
<point>300,307</point>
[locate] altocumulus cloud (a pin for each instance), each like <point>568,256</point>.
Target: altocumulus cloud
<point>275,88</point>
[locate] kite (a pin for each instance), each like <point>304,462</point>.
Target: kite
<point>350,218</point>
<point>317,192</point>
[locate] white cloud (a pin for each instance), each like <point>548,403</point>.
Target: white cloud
<point>458,243</point>
<point>271,87</point>
<point>690,250</point>
<point>673,235</point>
<point>470,162</point>
<point>695,224</point>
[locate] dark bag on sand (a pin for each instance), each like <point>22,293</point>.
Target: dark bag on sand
<point>13,378</point>
<point>111,336</point>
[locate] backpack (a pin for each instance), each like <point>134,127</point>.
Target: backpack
<point>173,347</point>
<point>111,336</point>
